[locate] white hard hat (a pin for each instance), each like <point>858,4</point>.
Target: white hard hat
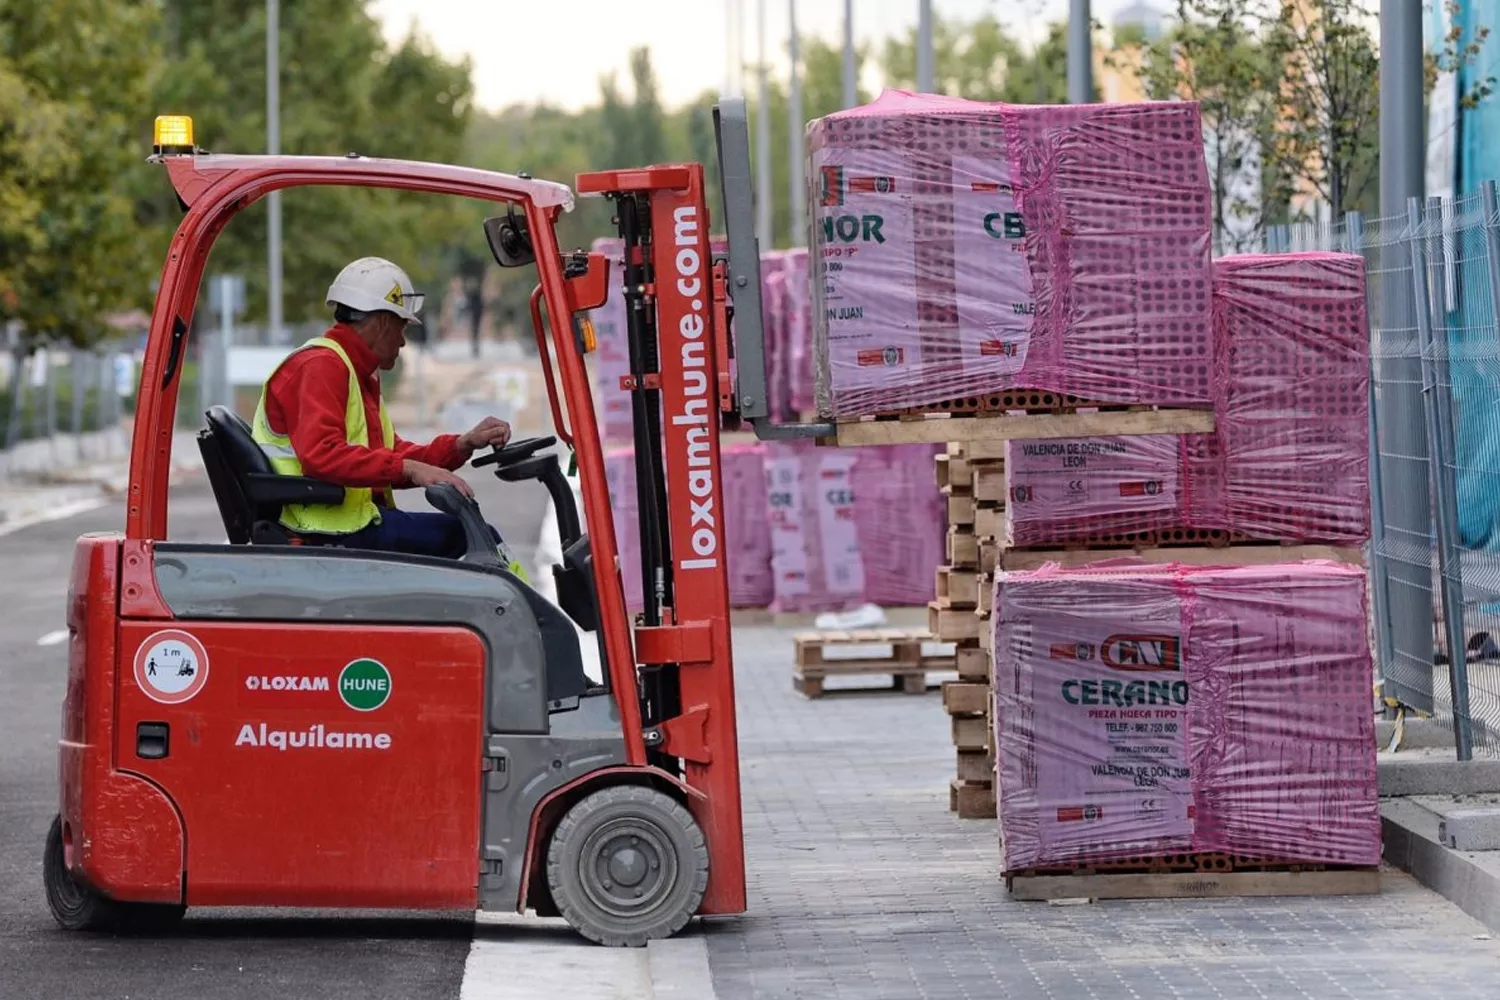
<point>374,284</point>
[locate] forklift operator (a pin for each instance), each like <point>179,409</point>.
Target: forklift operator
<point>317,407</point>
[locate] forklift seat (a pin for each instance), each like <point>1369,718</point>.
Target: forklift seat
<point>250,494</point>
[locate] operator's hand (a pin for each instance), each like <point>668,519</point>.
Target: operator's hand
<point>491,431</point>
<point>424,475</point>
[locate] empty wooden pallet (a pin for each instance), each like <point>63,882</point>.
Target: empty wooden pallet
<point>897,654</point>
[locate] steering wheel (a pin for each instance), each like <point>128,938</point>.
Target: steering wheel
<point>514,452</point>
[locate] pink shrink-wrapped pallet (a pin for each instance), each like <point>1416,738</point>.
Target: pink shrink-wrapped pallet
<point>1150,710</point>
<point>853,525</point>
<point>1289,458</point>
<point>900,517</point>
<point>963,248</point>
<point>815,551</point>
<point>747,538</point>
<point>612,358</point>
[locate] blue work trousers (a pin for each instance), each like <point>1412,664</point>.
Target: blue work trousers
<point>422,533</point>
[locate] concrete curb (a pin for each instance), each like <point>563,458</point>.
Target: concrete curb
<point>1434,772</point>
<point>1411,844</point>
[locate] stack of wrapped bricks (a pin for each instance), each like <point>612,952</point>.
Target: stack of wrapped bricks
<point>1173,666</point>
<point>1192,693</point>
<point>963,251</point>
<point>1185,730</point>
<point>809,529</point>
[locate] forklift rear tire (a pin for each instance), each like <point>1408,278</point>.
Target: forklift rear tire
<point>78,906</point>
<point>627,865</point>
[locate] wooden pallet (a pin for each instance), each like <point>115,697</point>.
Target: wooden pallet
<point>960,511</point>
<point>966,697</point>
<point>971,799</point>
<point>1004,425</point>
<point>952,624</point>
<point>972,663</point>
<point>972,733</point>
<point>989,522</point>
<point>957,587</point>
<point>952,473</point>
<point>987,483</point>
<point>1249,554</point>
<point>976,766</point>
<point>961,546</point>
<point>906,665</point>
<point>1267,881</point>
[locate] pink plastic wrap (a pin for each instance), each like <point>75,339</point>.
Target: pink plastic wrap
<point>773,323</point>
<point>962,248</point>
<point>1289,459</point>
<point>797,334</point>
<point>1157,710</point>
<point>900,517</point>
<point>1296,429</point>
<point>815,552</point>
<point>619,475</point>
<point>747,537</point>
<point>612,358</point>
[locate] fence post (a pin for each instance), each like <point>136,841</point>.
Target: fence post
<point>1354,234</point>
<point>1491,203</point>
<point>1437,406</point>
<point>79,388</point>
<point>49,396</point>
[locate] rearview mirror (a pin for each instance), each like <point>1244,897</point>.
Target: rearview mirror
<point>509,240</point>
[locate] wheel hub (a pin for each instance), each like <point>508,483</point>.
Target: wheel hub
<point>628,866</point>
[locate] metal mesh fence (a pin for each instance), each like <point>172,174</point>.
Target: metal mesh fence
<point>1433,275</point>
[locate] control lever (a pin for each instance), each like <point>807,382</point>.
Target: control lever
<point>514,452</point>
<point>479,544</point>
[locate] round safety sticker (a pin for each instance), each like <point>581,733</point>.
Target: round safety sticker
<point>171,667</point>
<point>365,685</point>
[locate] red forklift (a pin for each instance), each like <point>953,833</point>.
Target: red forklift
<point>280,722</point>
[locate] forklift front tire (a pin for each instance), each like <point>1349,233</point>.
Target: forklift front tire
<point>627,865</point>
<point>78,906</point>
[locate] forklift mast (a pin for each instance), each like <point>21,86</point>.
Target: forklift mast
<point>679,302</point>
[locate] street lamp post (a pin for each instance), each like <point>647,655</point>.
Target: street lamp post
<point>273,146</point>
<point>1080,53</point>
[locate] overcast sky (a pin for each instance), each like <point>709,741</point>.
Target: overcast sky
<point>555,50</point>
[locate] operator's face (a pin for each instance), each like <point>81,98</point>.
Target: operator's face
<point>388,336</point>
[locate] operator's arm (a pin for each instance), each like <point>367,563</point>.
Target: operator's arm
<point>311,396</point>
<point>443,451</point>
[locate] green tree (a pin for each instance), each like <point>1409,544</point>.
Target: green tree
<point>978,61</point>
<point>342,90</point>
<point>74,75</point>
<point>1212,54</point>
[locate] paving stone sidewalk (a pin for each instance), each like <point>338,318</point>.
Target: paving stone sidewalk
<point>863,885</point>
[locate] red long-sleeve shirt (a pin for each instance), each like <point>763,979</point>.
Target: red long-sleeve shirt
<point>306,401</point>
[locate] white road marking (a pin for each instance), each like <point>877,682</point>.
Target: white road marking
<point>53,638</point>
<point>528,958</point>
<point>70,508</point>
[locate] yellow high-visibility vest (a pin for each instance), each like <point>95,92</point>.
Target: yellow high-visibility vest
<point>359,508</point>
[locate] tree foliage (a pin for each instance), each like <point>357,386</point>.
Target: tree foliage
<point>1290,95</point>
<point>74,75</point>
<point>979,61</point>
<point>1214,55</point>
<point>342,90</point>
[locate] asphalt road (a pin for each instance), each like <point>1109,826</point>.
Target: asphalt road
<point>224,955</point>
